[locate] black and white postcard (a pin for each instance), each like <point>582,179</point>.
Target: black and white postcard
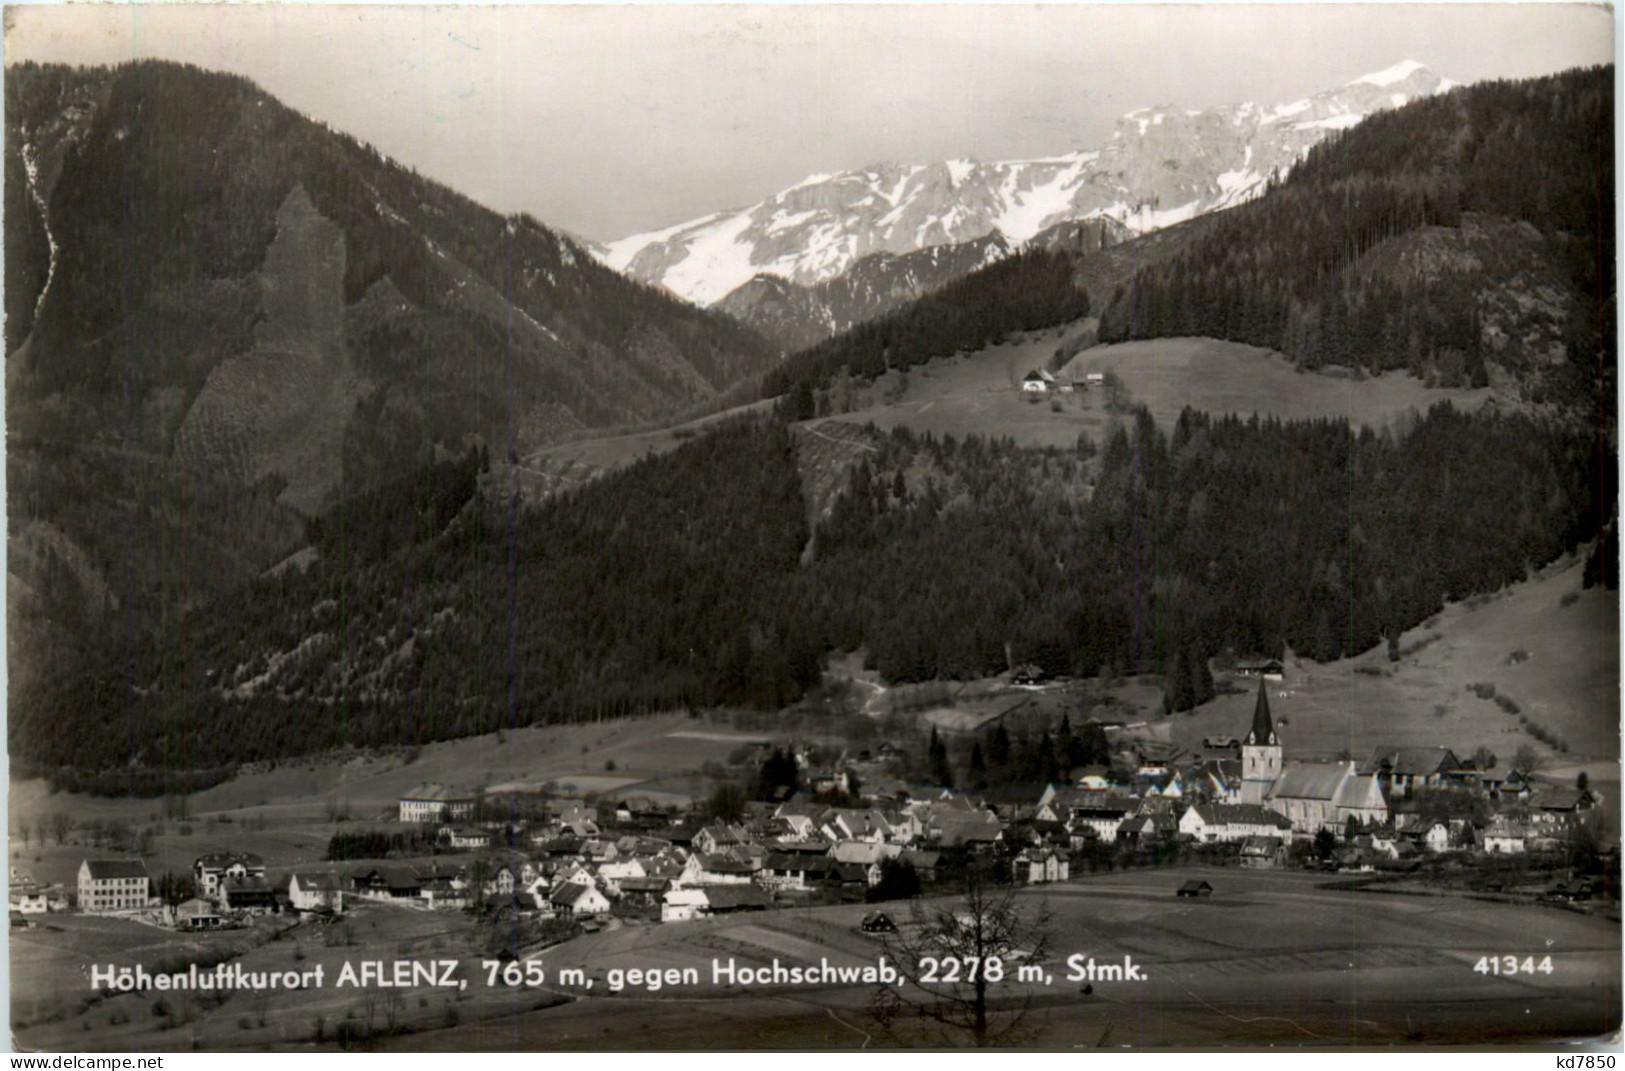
<point>811,527</point>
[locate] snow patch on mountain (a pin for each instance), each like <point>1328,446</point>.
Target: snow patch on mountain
<point>1391,75</point>
<point>1163,165</point>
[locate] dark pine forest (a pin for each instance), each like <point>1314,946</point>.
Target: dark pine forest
<point>682,582</point>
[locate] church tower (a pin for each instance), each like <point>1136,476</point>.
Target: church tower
<point>1260,753</point>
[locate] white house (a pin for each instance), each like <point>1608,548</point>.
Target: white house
<point>316,892</point>
<point>680,905</point>
<point>613,873</point>
<point>1039,866</point>
<point>1503,838</point>
<point>702,869</point>
<point>575,901</point>
<point>1427,833</point>
<point>30,901</point>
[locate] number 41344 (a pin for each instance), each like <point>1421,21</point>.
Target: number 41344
<point>1513,965</point>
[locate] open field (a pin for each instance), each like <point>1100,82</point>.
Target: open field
<point>56,956</point>
<point>649,756</point>
<point>980,393</point>
<point>1271,959</point>
<point>1559,663</point>
<point>59,1010</point>
<point>1166,375</point>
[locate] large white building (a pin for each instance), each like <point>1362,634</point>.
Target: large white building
<point>431,802</point>
<point>110,886</point>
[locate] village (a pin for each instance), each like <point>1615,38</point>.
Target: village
<point>610,862</point>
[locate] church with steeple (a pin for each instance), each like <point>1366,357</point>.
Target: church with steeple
<point>1310,795</point>
<point>1260,753</point>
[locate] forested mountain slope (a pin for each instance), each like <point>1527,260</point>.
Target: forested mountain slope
<point>218,308</point>
<point>436,612</point>
<point>1468,236</point>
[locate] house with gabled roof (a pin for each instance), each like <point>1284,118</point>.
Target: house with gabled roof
<point>387,881</point>
<point>254,895</point>
<point>646,891</point>
<point>1405,769</point>
<point>972,829</point>
<point>1263,853</point>
<point>924,862</point>
<point>613,873</point>
<point>1147,827</point>
<point>1427,833</point>
<point>1560,807</point>
<point>320,892</point>
<point>719,836</point>
<point>1098,816</point>
<point>1039,866</point>
<point>440,892</point>
<point>717,868</point>
<point>209,871</point>
<point>571,900</point>
<point>196,914</point>
<point>1503,837</point>
<point>784,870</point>
<point>1269,669</point>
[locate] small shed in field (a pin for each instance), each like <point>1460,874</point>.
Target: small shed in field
<point>1196,889</point>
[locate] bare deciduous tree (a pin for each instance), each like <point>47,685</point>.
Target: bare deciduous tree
<point>958,961</point>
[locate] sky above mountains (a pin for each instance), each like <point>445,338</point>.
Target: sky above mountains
<point>607,121</point>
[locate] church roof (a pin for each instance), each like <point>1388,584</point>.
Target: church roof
<point>1263,730</point>
<point>1310,781</point>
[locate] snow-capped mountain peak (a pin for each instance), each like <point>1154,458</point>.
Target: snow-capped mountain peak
<point>1163,165</point>
<point>1388,76</point>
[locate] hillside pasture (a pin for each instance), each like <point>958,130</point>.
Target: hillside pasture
<point>1166,375</point>
<point>369,786</point>
<point>1546,644</point>
<point>980,393</point>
